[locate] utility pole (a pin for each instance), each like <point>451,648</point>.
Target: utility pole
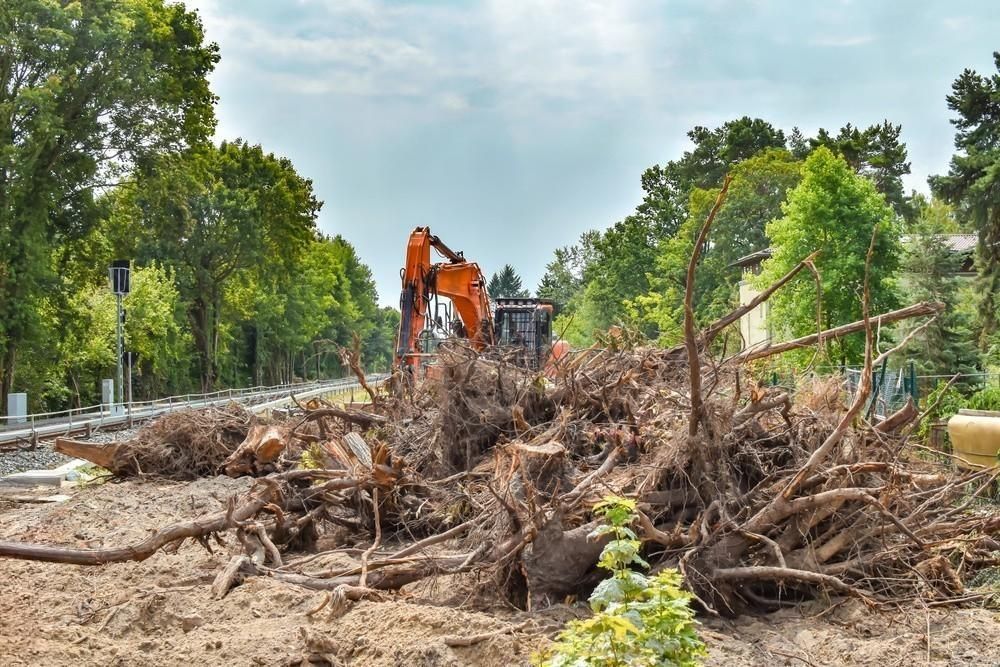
<point>119,334</point>
<point>120,284</point>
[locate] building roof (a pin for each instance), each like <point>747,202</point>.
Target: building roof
<point>753,258</point>
<point>962,243</point>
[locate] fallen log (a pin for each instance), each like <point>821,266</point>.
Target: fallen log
<point>352,415</point>
<point>263,495</point>
<point>103,454</point>
<point>917,310</point>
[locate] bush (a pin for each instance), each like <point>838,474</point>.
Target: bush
<point>984,399</point>
<point>638,620</point>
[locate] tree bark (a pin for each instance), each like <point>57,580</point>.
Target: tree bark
<point>916,310</point>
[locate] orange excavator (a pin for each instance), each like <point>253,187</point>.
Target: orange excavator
<point>521,325</point>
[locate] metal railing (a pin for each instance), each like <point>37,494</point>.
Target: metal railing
<point>28,428</point>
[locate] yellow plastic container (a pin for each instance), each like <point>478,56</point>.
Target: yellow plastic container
<point>975,438</point>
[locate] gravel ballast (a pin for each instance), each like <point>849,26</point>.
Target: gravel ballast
<point>44,457</point>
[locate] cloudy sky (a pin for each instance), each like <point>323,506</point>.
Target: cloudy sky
<point>511,126</point>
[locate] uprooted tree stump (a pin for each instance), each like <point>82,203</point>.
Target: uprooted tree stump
<point>261,448</point>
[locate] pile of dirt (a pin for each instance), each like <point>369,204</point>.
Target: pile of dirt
<point>159,611</point>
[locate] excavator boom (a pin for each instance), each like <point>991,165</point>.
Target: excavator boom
<point>457,279</point>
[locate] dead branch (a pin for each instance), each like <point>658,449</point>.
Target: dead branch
<point>690,337</point>
<point>917,310</point>
<point>719,325</point>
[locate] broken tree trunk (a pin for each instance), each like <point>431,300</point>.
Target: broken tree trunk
<point>102,454</point>
<point>263,445</point>
<point>541,468</point>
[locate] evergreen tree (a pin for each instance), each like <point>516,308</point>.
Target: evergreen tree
<point>973,180</point>
<point>506,283</point>
<point>798,144</point>
<point>877,153</point>
<point>668,187</point>
<point>930,269</point>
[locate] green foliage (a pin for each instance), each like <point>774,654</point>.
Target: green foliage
<point>945,401</point>
<point>563,278</point>
<point>973,181</point>
<point>876,153</point>
<point>668,187</point>
<point>637,620</point>
<point>505,283</point>
<point>755,196</point>
<point>219,215</point>
<point>929,268</point>
<point>607,272</point>
<point>941,403</point>
<point>835,211</point>
<point>88,91</point>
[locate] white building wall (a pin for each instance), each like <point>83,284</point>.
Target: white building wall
<point>753,325</point>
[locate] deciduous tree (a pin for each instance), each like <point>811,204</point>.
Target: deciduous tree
<point>215,213</point>
<point>835,211</point>
<point>755,197</point>
<point>88,91</point>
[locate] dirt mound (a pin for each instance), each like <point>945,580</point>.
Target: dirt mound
<point>159,612</point>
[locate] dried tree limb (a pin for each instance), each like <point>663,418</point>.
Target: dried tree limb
<point>352,359</point>
<point>916,310</point>
<point>710,332</point>
<point>690,337</point>
<point>378,540</point>
<point>898,419</point>
<point>470,640</point>
<point>769,573</point>
<point>101,454</point>
<point>347,414</point>
<point>266,491</point>
<point>143,550</point>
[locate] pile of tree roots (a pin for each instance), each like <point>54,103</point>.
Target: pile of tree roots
<point>760,497</point>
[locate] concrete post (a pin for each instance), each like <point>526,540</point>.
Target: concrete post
<point>107,395</point>
<point>17,408</point>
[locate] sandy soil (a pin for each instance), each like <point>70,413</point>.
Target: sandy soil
<point>160,611</point>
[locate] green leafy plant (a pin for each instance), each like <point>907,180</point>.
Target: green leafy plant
<point>948,400</point>
<point>638,620</point>
<point>943,402</point>
<point>987,398</point>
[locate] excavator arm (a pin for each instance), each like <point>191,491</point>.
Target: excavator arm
<point>457,279</point>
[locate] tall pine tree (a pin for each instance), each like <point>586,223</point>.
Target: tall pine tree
<point>973,180</point>
<point>506,283</point>
<point>930,269</point>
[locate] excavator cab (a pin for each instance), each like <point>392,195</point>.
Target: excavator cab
<point>524,327</point>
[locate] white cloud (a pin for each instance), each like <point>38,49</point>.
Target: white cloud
<point>844,41</point>
<point>572,49</point>
<point>520,54</point>
<point>453,102</point>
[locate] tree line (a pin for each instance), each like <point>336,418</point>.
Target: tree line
<point>794,194</point>
<point>107,154</point>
